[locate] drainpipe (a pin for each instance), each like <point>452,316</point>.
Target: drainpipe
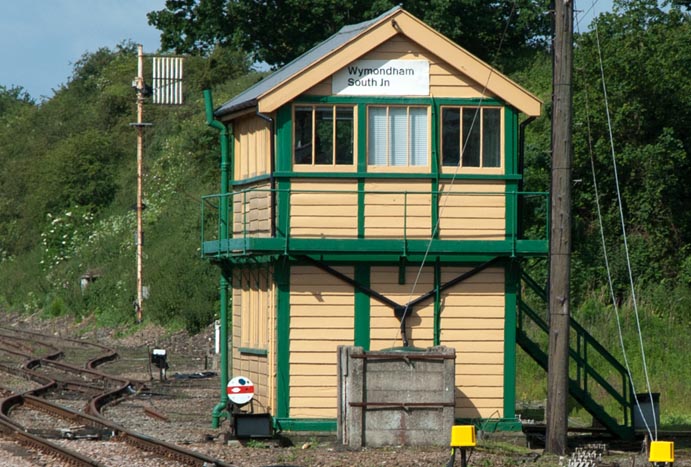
<point>272,169</point>
<point>521,168</point>
<point>219,410</point>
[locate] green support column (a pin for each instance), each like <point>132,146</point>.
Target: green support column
<point>511,285</point>
<point>437,302</point>
<point>362,308</point>
<point>282,278</point>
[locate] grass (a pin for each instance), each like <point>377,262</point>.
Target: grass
<point>665,328</point>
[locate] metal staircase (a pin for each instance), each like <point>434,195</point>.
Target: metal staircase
<point>608,399</point>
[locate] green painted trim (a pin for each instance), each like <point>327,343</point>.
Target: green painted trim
<point>437,303</point>
<point>511,288</point>
<point>361,208</point>
<point>282,211</point>
<point>436,164</point>
<point>284,139</point>
<point>392,175</point>
<point>362,308</point>
<point>397,100</point>
<point>362,139</point>
<point>491,425</point>
<point>511,226</point>
<point>510,141</point>
<point>329,424</point>
<point>282,279</point>
<point>399,246</point>
<point>251,180</point>
<point>265,249</point>
<point>283,161</point>
<point>364,100</point>
<point>251,351</point>
<point>304,424</point>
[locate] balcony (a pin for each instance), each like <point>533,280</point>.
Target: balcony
<point>454,223</point>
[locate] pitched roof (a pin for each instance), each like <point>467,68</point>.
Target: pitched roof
<point>354,41</point>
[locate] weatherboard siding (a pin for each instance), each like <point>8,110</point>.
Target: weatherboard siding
<point>398,210</point>
<point>472,210</point>
<point>321,319</point>
<point>444,80</point>
<point>252,147</point>
<point>326,209</point>
<point>253,331</point>
<point>472,322</point>
<point>252,211</point>
<point>384,326</point>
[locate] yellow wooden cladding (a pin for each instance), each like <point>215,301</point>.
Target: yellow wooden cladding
<point>472,210</point>
<point>252,151</point>
<point>463,76</point>
<point>392,213</point>
<point>252,211</point>
<point>473,323</point>
<point>253,318</point>
<point>444,79</point>
<point>323,209</point>
<point>321,319</point>
<point>384,326</point>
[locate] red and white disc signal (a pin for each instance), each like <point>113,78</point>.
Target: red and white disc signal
<point>240,390</point>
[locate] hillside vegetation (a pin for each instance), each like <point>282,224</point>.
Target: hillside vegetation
<point>68,179</point>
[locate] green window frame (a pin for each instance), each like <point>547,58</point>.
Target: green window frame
<point>471,137</point>
<point>323,135</point>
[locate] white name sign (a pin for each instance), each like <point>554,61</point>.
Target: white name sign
<point>382,78</point>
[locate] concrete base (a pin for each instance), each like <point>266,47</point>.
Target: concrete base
<point>395,398</point>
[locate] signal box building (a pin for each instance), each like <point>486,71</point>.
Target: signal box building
<point>372,199</point>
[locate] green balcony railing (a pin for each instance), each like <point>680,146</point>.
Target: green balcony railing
<point>507,222</point>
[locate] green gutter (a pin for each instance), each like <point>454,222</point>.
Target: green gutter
<point>219,410</point>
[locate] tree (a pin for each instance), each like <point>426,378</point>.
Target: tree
<point>646,52</point>
<point>277,31</point>
<point>193,26</point>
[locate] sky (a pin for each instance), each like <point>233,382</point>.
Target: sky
<point>41,40</point>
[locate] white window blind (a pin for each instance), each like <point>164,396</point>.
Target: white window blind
<point>377,136</point>
<point>397,136</point>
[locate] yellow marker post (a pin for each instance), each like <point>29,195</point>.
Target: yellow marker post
<point>662,452</point>
<point>462,436</point>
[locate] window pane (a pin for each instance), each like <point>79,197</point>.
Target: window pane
<point>376,137</point>
<point>344,135</point>
<point>491,138</point>
<point>324,136</point>
<point>303,135</point>
<point>418,136</point>
<point>451,136</point>
<point>471,138</point>
<point>398,144</point>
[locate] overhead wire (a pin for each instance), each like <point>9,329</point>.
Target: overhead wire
<point>455,173</point>
<point>626,249</point>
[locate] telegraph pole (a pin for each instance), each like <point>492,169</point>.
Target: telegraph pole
<point>560,230</point>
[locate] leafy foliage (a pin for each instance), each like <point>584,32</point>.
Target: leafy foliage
<point>267,30</point>
<point>67,191</point>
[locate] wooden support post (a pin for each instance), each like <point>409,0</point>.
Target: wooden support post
<point>560,230</point>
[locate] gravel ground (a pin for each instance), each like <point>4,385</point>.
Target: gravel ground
<point>179,411</point>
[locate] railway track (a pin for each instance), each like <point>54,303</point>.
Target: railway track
<point>36,358</point>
